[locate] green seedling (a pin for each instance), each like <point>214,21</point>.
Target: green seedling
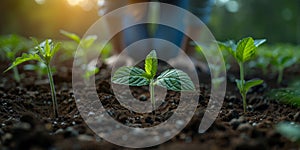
<point>44,53</point>
<point>86,44</point>
<point>282,59</point>
<point>242,52</point>
<point>262,60</point>
<point>289,95</point>
<point>11,46</point>
<point>289,130</point>
<point>227,54</point>
<point>171,79</point>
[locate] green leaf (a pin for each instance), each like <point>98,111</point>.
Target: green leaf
<point>229,46</point>
<point>176,80</point>
<point>245,49</point>
<point>240,85</point>
<point>90,72</point>
<point>151,64</point>
<point>25,57</point>
<point>106,51</point>
<point>199,49</point>
<point>70,35</point>
<point>289,96</point>
<point>46,45</point>
<point>290,131</point>
<point>288,61</point>
<point>132,76</point>
<point>259,42</point>
<point>55,49</point>
<point>251,83</point>
<point>88,41</point>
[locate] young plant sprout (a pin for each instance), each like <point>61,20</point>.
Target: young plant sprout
<point>289,95</point>
<point>88,43</point>
<point>10,46</point>
<point>171,79</point>
<point>44,53</point>
<point>242,52</point>
<point>281,60</point>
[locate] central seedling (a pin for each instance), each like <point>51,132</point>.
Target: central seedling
<point>44,53</point>
<point>243,51</point>
<point>171,79</point>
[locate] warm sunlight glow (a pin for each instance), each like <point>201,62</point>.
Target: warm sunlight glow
<point>40,1</point>
<point>85,4</point>
<point>74,2</point>
<point>101,3</point>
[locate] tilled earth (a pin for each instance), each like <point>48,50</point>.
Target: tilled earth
<point>27,120</point>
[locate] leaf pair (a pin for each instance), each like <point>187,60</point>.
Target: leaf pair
<point>45,51</point>
<point>84,43</point>
<point>244,87</point>
<point>171,79</point>
<point>244,50</point>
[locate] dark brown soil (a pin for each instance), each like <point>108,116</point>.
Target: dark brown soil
<point>27,120</point>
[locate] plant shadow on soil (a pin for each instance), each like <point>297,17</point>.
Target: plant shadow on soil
<point>27,119</point>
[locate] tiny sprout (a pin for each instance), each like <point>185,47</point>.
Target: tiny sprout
<point>243,51</point>
<point>282,60</point>
<point>86,44</point>
<point>44,53</point>
<point>171,79</point>
<point>11,46</point>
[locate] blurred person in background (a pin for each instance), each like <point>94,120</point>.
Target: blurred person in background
<point>200,8</point>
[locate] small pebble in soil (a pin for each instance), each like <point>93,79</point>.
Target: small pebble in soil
<point>84,137</point>
<point>91,113</point>
<point>143,97</point>
<point>250,108</point>
<point>7,138</point>
<point>70,132</point>
<point>236,122</point>
<point>167,134</point>
<point>188,139</point>
<point>156,138</point>
<point>48,126</point>
<point>138,131</point>
<point>22,126</point>
<point>179,123</point>
<point>182,136</point>
<point>58,131</point>
<point>297,117</point>
<point>231,115</point>
<point>1,132</point>
<point>244,127</point>
<point>149,120</point>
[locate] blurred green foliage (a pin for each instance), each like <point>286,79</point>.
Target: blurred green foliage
<point>275,20</point>
<point>30,19</point>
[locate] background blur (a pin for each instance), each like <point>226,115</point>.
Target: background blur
<point>276,20</point>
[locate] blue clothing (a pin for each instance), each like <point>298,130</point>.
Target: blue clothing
<point>200,8</point>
